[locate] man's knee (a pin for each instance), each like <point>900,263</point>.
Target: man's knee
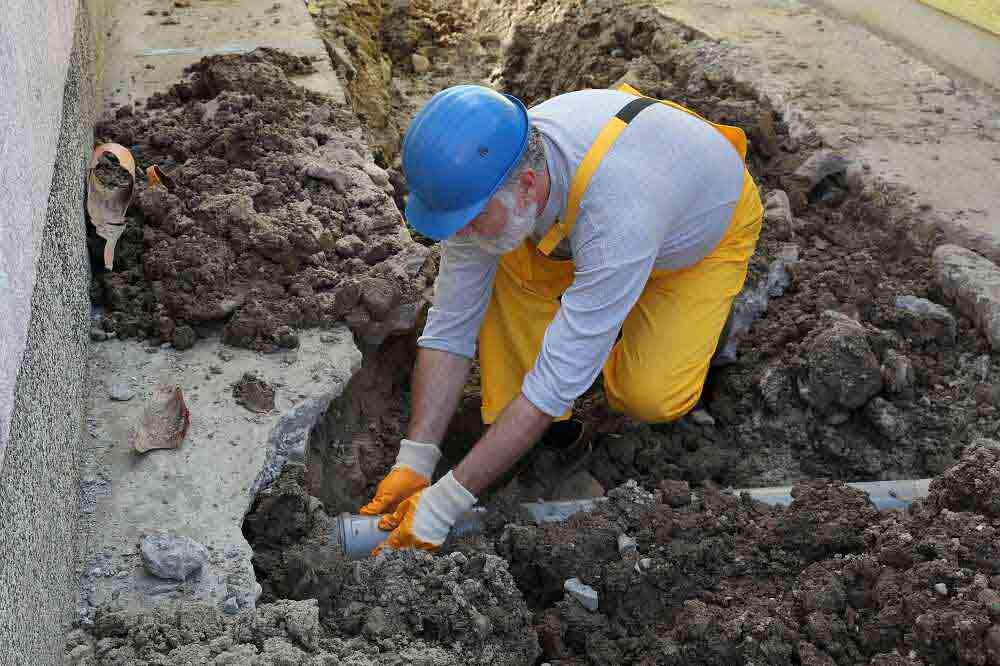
<point>655,403</point>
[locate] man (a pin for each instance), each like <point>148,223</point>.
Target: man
<point>599,231</point>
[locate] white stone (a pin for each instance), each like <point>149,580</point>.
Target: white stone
<point>702,418</point>
<point>941,589</point>
<point>172,556</point>
<point>627,544</point>
<point>420,63</point>
<point>585,594</point>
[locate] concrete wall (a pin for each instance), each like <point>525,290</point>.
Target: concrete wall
<point>48,55</point>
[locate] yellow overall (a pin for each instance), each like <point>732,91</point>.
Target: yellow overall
<point>657,369</point>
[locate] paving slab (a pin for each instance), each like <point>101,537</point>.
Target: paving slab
<point>973,283</point>
<point>203,489</point>
<point>151,42</point>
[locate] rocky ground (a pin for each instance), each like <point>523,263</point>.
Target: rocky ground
<point>859,364</point>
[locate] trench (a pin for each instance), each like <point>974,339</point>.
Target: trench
<point>839,226</point>
<point>860,245</point>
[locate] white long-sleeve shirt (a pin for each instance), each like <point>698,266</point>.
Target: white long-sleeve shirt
<point>663,197</point>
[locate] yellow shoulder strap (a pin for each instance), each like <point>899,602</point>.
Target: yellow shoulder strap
<point>736,136</point>
<point>605,139</point>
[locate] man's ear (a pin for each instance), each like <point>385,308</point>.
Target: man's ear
<point>528,182</point>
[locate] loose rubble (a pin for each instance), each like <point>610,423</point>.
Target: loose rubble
<point>171,556</point>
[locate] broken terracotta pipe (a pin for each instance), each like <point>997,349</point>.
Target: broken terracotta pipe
<point>356,536</point>
<point>107,206</point>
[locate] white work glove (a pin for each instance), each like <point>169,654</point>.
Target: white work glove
<point>412,472</point>
<point>424,519</point>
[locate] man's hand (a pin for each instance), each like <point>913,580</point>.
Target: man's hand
<point>424,519</point>
<point>412,473</point>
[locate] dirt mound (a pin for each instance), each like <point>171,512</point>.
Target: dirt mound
<point>721,579</point>
<point>277,220</point>
<point>290,633</point>
<point>713,578</point>
<point>402,608</point>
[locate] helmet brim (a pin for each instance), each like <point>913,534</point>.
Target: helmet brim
<point>439,225</point>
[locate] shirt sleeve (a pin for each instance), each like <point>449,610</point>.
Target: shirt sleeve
<point>461,293</point>
<point>611,273</point>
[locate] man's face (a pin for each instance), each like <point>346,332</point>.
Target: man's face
<point>490,223</point>
<point>507,219</point>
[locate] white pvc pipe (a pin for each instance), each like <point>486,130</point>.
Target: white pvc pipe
<point>883,494</point>
<point>356,536</point>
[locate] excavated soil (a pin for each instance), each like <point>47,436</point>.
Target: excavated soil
<point>276,221</point>
<point>714,578</point>
<point>833,381</point>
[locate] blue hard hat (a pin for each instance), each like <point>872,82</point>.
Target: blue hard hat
<point>457,152</point>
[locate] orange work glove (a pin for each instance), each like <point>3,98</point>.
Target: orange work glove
<point>412,473</point>
<point>424,519</point>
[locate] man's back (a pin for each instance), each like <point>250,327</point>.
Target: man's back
<point>670,179</point>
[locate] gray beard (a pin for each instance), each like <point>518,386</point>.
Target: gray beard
<point>518,228</point>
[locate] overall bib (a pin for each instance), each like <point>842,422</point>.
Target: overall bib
<point>657,369</point>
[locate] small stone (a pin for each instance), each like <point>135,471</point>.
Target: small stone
<point>841,373</point>
<point>925,321</point>
<point>349,246</point>
<point>215,369</point>
<point>627,545</point>
<point>122,393</point>
<point>941,589</point>
<point>231,607</point>
<point>897,372</point>
<point>617,53</point>
<point>778,214</point>
<point>171,556</point>
<point>675,493</point>
<point>184,337</point>
<point>97,335</point>
<point>254,393</point>
<point>703,418</point>
<point>887,419</point>
<point>420,63</point>
<point>585,594</point>
<point>81,654</point>
<point>286,337</point>
<point>981,368</point>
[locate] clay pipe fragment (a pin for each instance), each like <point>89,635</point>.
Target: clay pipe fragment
<point>107,206</point>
